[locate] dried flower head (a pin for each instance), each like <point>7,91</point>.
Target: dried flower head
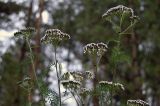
<point>54,36</point>
<point>78,76</point>
<point>85,91</point>
<point>95,48</point>
<point>71,84</point>
<point>118,9</point>
<point>74,75</point>
<point>105,86</point>
<point>89,75</point>
<point>137,103</point>
<point>26,33</point>
<point>66,76</point>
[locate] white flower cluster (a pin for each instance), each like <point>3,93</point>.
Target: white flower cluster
<point>25,32</point>
<point>77,75</point>
<point>95,48</point>
<point>137,103</point>
<point>119,8</point>
<point>54,35</point>
<point>85,91</point>
<point>109,85</point>
<point>89,75</point>
<point>71,84</point>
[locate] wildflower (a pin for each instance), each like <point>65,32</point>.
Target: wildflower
<point>118,9</point>
<point>66,76</point>
<point>72,76</point>
<point>26,33</point>
<point>85,91</point>
<point>119,86</point>
<point>137,103</point>
<point>54,36</point>
<point>102,48</point>
<point>77,75</point>
<point>71,84</point>
<point>95,48</point>
<point>105,86</point>
<point>89,75</point>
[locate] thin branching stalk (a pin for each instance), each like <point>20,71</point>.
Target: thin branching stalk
<point>59,89</point>
<point>33,67</point>
<point>95,80</point>
<point>74,98</point>
<point>79,97</point>
<point>130,26</point>
<point>29,97</point>
<point>66,99</point>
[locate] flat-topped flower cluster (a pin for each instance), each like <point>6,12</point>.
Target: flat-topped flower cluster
<point>26,32</point>
<point>95,48</point>
<point>118,9</point>
<point>54,36</point>
<point>105,85</point>
<point>137,103</point>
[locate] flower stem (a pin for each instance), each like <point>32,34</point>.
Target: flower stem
<point>29,97</point>
<point>95,80</point>
<point>33,67</point>
<point>59,89</point>
<point>74,97</point>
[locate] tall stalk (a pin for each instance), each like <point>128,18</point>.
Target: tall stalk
<point>29,97</point>
<point>59,89</point>
<point>33,68</point>
<point>95,80</point>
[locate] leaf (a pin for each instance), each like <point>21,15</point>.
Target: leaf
<point>118,56</point>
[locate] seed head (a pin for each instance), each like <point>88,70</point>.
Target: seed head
<point>89,75</point>
<point>105,85</point>
<point>66,76</point>
<point>118,9</point>
<point>95,48</point>
<point>54,36</point>
<point>78,76</point>
<point>71,84</point>
<point>137,103</point>
<point>85,91</point>
<point>25,32</point>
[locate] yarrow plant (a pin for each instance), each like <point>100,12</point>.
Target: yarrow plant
<point>137,103</point>
<point>102,92</point>
<point>95,49</point>
<point>26,34</point>
<point>54,36</point>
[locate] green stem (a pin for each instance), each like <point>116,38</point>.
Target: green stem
<point>95,80</point>
<point>130,26</point>
<point>121,20</point>
<point>29,97</point>
<point>59,89</point>
<point>33,66</point>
